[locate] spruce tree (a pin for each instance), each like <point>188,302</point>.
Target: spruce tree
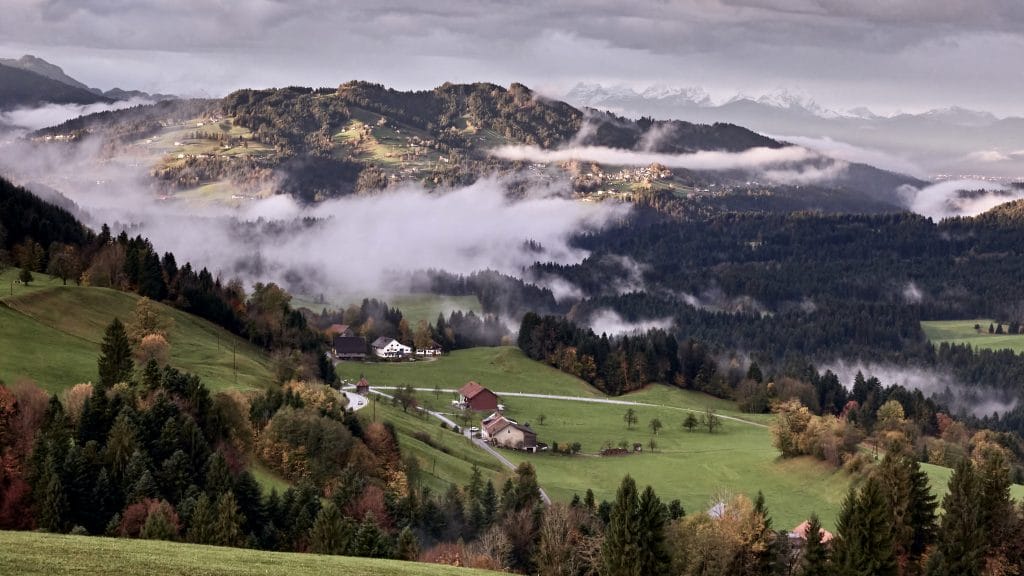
<point>53,505</point>
<point>408,546</point>
<point>815,558</point>
<point>621,550</point>
<point>370,541</point>
<point>961,546</point>
<point>201,523</point>
<point>227,526</point>
<point>115,361</point>
<point>652,516</point>
<point>864,544</point>
<point>488,505</point>
<point>218,475</point>
<point>330,534</point>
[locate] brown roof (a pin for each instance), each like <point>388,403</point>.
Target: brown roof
<point>497,425</point>
<point>337,329</point>
<point>471,390</point>
<point>362,383</point>
<point>801,532</point>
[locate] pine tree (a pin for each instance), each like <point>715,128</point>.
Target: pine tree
<point>201,523</point>
<point>101,504</point>
<point>227,526</point>
<point>159,525</point>
<point>408,546</point>
<point>961,546</point>
<point>864,544</point>
<point>621,550</point>
<point>144,487</point>
<point>488,505</point>
<point>330,533</point>
<point>815,558</point>
<point>121,446</point>
<point>53,506</point>
<point>115,361</point>
<point>651,513</point>
<point>218,475</point>
<point>370,541</point>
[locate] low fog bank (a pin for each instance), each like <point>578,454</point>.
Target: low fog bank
<point>30,119</point>
<point>787,165</point>
<point>947,199</point>
<point>974,400</point>
<point>348,245</point>
<point>609,322</point>
<point>356,243</point>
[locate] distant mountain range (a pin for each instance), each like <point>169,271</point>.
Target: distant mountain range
<point>943,141</point>
<point>30,81</point>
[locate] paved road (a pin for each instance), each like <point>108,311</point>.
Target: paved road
<point>355,401</point>
<point>465,432</point>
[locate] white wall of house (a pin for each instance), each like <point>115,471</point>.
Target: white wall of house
<point>394,349</point>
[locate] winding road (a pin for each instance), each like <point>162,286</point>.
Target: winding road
<point>358,402</point>
<point>448,422</point>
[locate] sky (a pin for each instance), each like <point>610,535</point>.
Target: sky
<point>889,55</point>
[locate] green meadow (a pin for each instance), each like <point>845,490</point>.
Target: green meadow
<point>51,334</point>
<point>963,332</point>
<point>41,554</point>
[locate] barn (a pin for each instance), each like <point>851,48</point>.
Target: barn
<point>477,398</point>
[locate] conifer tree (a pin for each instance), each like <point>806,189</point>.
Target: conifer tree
<point>370,541</point>
<point>815,558</point>
<point>201,523</point>
<point>218,475</point>
<point>652,516</point>
<point>621,550</point>
<point>408,546</point>
<point>961,546</point>
<point>115,361</point>
<point>227,526</point>
<point>330,533</point>
<point>53,505</point>
<point>488,505</point>
<point>101,504</point>
<point>121,446</point>
<point>144,487</point>
<point>864,543</point>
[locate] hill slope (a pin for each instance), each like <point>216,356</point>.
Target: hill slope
<point>21,88</point>
<point>52,334</point>
<point>363,137</point>
<point>31,554</point>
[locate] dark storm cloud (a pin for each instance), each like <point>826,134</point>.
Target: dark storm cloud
<point>908,54</point>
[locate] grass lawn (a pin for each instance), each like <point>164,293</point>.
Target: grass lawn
<point>31,554</point>
<point>939,479</point>
<point>450,459</point>
<point>963,332</point>
<point>692,466</point>
<point>52,334</point>
<point>267,478</point>
<point>501,369</point>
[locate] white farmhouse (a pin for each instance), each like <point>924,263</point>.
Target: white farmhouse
<point>385,347</point>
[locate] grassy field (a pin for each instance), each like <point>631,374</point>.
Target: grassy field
<point>695,467</point>
<point>31,554</point>
<point>963,332</point>
<point>939,478</point>
<point>52,333</point>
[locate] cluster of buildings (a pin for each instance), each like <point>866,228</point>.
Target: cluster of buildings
<point>496,428</point>
<point>345,345</point>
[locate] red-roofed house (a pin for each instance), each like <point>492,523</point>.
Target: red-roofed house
<point>362,387</point>
<point>477,398</point>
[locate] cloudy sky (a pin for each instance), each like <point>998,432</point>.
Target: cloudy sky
<point>889,55</point>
